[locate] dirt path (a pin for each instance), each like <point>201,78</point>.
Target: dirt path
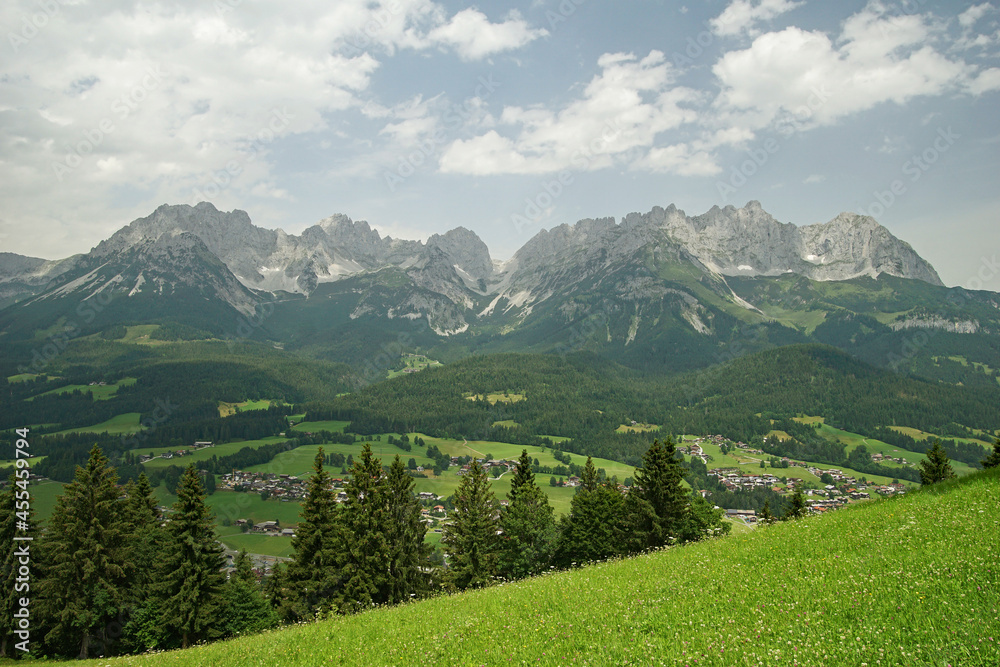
<point>465,443</point>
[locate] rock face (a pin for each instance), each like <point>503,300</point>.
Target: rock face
<point>724,241</point>
<point>451,279</point>
<point>20,275</point>
<point>749,242</point>
<point>335,247</point>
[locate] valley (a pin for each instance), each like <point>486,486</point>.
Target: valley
<point>792,389</point>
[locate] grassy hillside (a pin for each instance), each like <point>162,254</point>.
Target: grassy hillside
<point>908,581</point>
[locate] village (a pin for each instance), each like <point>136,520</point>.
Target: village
<point>843,489</point>
<point>178,453</point>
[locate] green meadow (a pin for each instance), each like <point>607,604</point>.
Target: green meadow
<point>117,425</point>
<point>909,581</point>
<point>315,427</point>
<point>202,454</point>
<point>230,409</point>
<point>98,392</point>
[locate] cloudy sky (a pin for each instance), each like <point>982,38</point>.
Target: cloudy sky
<point>506,118</point>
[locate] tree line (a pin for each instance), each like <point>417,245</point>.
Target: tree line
<point>114,576</point>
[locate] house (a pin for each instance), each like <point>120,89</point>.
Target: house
<point>267,527</point>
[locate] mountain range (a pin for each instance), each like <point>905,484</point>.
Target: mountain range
<point>656,290</point>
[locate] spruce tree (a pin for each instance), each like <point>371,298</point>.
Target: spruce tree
<point>365,549</point>
<point>470,540</point>
<point>797,509</point>
<point>593,529</point>
<point>191,580</point>
<point>85,556</point>
<point>145,540</point>
<point>405,532</point>
<point>312,579</point>
<point>246,609</point>
<point>144,536</point>
<point>527,524</point>
<point>765,514</point>
<point>936,467</point>
<point>993,460</point>
<point>658,506</point>
<point>12,513</point>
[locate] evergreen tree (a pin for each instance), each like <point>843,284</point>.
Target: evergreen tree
<point>313,577</point>
<point>405,532</point>
<point>703,520</point>
<point>765,513</point>
<point>528,527</point>
<point>365,550</point>
<point>593,529</point>
<point>993,460</point>
<point>85,555</point>
<point>145,542</point>
<point>12,512</point>
<point>144,536</point>
<point>658,506</point>
<point>936,467</point>
<point>470,540</point>
<point>797,510</point>
<point>191,580</point>
<point>246,609</point>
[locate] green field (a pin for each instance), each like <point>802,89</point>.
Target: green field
<point>917,434</point>
<point>412,363</point>
<point>43,498</point>
<point>140,334</point>
<point>255,543</point>
<point>315,427</point>
<point>202,454</point>
<point>21,377</point>
<point>910,581</point>
<point>230,409</point>
<point>750,463</point>
<point>498,397</point>
<point>117,425</point>
<point>100,393</point>
<point>232,505</point>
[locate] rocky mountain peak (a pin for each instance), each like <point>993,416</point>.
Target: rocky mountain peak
<point>466,251</point>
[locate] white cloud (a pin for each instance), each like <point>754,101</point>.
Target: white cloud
<point>679,159</point>
<point>622,110</point>
<point>473,37</point>
<point>742,16</point>
<point>970,16</point>
<point>173,101</point>
<point>812,179</point>
<point>986,81</point>
<point>803,79</point>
